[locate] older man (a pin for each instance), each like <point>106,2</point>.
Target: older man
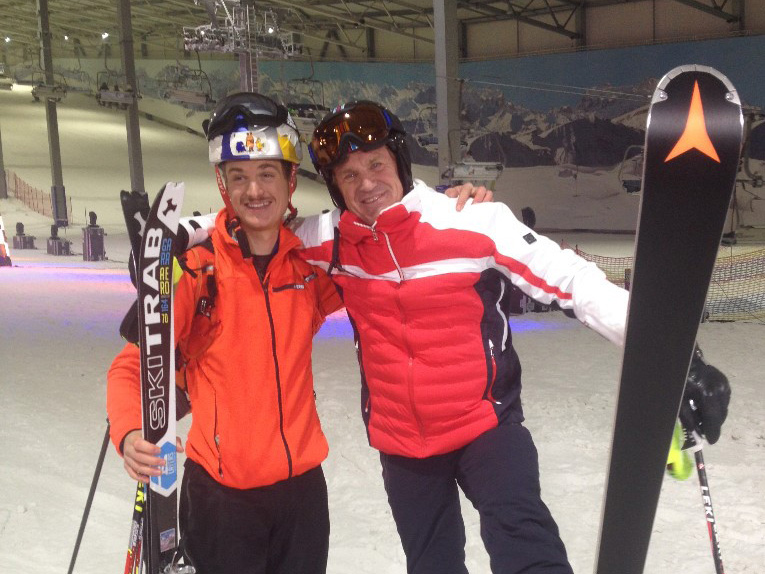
<point>427,290</point>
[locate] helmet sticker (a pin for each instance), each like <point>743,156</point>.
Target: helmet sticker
<point>251,145</point>
<point>251,126</point>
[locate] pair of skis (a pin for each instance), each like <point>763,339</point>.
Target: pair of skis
<point>692,147</point>
<point>152,231</point>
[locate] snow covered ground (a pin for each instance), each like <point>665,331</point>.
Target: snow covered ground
<point>58,335</point>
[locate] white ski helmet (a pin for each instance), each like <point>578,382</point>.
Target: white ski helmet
<point>247,125</point>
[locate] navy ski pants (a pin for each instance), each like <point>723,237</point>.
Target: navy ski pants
<point>499,474</point>
<point>278,529</point>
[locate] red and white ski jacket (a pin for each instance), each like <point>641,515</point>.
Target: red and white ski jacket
<point>427,290</point>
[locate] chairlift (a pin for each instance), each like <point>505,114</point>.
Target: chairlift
<point>306,103</point>
<point>109,93</point>
<point>478,172</point>
<point>753,117</point>
<point>747,180</point>
<point>427,138</point>
<point>24,74</point>
<point>191,88</point>
<point>41,90</point>
<point>6,82</point>
<point>631,169</point>
<point>423,134</point>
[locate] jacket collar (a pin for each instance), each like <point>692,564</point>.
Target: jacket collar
<point>287,240</point>
<point>396,216</point>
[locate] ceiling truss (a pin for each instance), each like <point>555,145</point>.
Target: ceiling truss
<point>349,25</point>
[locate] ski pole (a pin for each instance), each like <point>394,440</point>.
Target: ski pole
<point>707,499</point>
<point>89,502</point>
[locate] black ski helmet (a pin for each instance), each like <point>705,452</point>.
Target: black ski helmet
<point>360,125</point>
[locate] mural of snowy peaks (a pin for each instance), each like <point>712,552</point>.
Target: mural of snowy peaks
<point>581,108</point>
<point>592,133</point>
<point>578,108</point>
<point>567,127</point>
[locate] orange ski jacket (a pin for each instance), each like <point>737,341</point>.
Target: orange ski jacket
<point>254,419</point>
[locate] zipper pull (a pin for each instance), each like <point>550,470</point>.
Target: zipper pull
<point>220,461</point>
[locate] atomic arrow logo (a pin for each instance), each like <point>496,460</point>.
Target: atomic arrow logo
<point>695,135</point>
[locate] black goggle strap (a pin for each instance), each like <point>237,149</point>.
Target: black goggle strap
<point>230,120</point>
<point>335,262</point>
<point>292,209</point>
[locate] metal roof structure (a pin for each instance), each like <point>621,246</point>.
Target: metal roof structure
<point>351,26</point>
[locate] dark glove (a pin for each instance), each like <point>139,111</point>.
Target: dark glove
<point>705,400</point>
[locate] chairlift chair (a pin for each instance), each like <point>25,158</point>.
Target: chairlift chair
<point>631,169</point>
<point>41,90</point>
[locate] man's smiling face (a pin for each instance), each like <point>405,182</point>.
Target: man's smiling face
<point>369,182</point>
<point>259,191</point>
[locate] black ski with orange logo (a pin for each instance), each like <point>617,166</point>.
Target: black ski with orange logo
<point>692,146</point>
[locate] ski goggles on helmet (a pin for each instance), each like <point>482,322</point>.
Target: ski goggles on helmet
<point>251,126</point>
<point>359,125</point>
<point>244,109</point>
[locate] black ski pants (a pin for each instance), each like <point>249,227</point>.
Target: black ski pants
<point>499,474</point>
<point>278,529</point>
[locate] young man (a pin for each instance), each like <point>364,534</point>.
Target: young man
<point>427,291</point>
<point>253,498</point>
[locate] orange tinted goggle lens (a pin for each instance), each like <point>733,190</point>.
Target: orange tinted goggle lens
<point>364,125</point>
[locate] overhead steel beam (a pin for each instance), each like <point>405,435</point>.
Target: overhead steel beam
<point>354,19</point>
<point>522,14</point>
<point>714,9</point>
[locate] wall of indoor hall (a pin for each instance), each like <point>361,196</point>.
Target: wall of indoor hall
<point>560,124</point>
<point>626,23</point>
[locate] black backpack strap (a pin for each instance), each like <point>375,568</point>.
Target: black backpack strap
<point>129,325</point>
<point>335,262</point>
